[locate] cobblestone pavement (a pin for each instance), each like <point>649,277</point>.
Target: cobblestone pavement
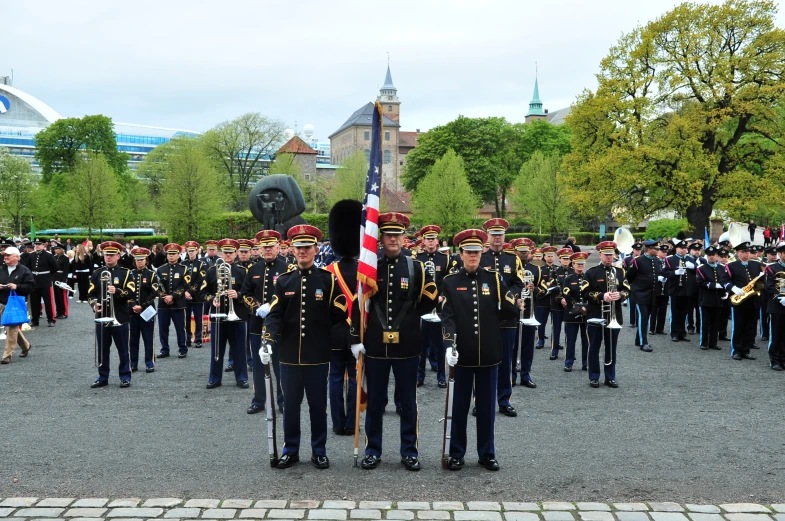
<point>685,425</point>
<point>128,509</point>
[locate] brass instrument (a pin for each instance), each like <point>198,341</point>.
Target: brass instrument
<point>779,282</point>
<point>223,271</point>
<point>63,285</point>
<point>433,316</point>
<point>107,318</point>
<point>528,297</point>
<point>609,308</point>
<point>748,291</point>
<point>682,266</point>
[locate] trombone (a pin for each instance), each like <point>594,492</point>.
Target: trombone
<point>107,318</point>
<point>223,274</point>
<point>609,308</point>
<point>528,297</point>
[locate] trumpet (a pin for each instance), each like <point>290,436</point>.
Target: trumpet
<point>527,296</point>
<point>609,308</point>
<point>107,318</point>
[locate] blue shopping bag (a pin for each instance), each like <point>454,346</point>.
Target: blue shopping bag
<point>15,313</point>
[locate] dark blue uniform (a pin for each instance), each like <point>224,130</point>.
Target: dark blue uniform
<point>146,289</point>
<point>558,276</point>
<point>527,333</point>
<point>543,303</point>
<point>744,317</point>
<point>574,320</point>
<point>643,275</point>
<point>775,274</point>
<point>194,310</point>
<point>678,288</point>
<point>120,278</point>
<point>174,280</point>
<point>223,331</point>
<point>710,302</point>
<point>431,332</point>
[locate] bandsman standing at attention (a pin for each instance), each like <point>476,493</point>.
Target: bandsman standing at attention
<point>212,253</point>
<point>523,248</point>
<point>695,260</point>
<point>678,287</point>
<point>744,316</point>
<point>113,293</point>
<point>637,249</point>
<point>543,311</point>
<point>711,285</point>
<point>475,302</point>
<point>558,276</point>
<point>604,288</point>
<point>43,265</point>
<point>510,268</point>
<point>194,310</point>
<point>775,307</point>
<point>244,260</point>
<point>144,293</point>
<point>660,313</point>
<point>62,275</point>
<point>722,258</point>
<point>644,273</point>
<point>770,258</point>
<point>306,303</point>
<point>257,294</point>
<point>575,311</point>
<point>406,291</point>
<point>174,280</point>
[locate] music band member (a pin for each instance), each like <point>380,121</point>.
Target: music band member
<point>523,248</point>
<point>744,316</point>
<point>604,288</point>
<point>211,253</point>
<point>679,288</point>
<point>194,300</point>
<point>575,312</point>
<point>543,311</point>
<point>406,291</point>
<point>146,289</point>
<point>711,285</point>
<point>475,302</point>
<point>558,275</point>
<point>110,288</point>
<point>435,263</point>
<point>644,272</point>
<point>775,307</point>
<point>306,303</point>
<point>43,265</point>
<point>694,261</point>
<point>174,280</point>
<point>62,275</point>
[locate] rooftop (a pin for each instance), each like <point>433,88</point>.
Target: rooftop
<point>407,139</point>
<point>296,146</point>
<point>362,118</point>
<point>388,83</point>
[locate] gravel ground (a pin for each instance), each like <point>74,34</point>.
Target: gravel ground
<point>685,425</point>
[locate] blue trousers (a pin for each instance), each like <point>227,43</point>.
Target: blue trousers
<point>557,316</point>
<point>299,381</point>
<point>145,330</point>
<point>259,389</point>
<point>633,310</point>
<point>249,357</point>
<point>644,318</point>
<point>527,351</point>
<point>541,314</point>
<point>377,371</point>
<point>194,313</point>
<point>483,381</point>
<point>118,335</point>
<point>343,408</point>
<point>177,317</point>
<point>234,333</point>
<point>571,330</point>
<point>599,335</point>
<point>504,379</point>
<point>432,347</point>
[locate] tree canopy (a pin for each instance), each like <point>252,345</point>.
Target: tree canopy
<point>539,195</point>
<point>17,187</point>
<point>349,182</point>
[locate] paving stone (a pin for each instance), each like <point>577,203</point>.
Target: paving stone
<point>448,505</point>
<point>483,505</point>
<point>135,512</point>
<point>557,505</point>
<point>86,519</point>
<point>596,515</point>
<point>126,502</point>
<point>237,503</point>
<point>587,505</point>
<point>327,513</point>
<point>183,512</point>
<point>91,502</point>
<point>778,507</point>
<point>666,506</point>
<point>668,516</point>
<point>733,517</point>
<point>365,513</point>
<point>478,515</point>
<point>39,512</point>
<point>257,513</point>
<point>85,512</point>
<point>166,502</point>
<point>704,517</point>
<point>202,503</point>
<point>220,513</point>
<point>521,516</point>
<point>631,507</point>
<point>271,503</point>
<point>413,505</point>
<point>19,502</point>
<point>557,515</point>
<point>304,503</point>
<point>632,516</point>
<point>518,505</point>
<point>6,511</point>
<point>780,517</point>
<point>703,509</point>
<point>55,502</point>
<point>400,515</point>
<point>734,508</point>
<point>286,513</point>
<point>433,514</point>
<point>381,505</point>
<point>339,504</point>
<point>128,519</point>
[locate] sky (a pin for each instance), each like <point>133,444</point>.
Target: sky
<point>194,64</point>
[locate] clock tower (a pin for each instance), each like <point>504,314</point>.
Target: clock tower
<point>388,98</point>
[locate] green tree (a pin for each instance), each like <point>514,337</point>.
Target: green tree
<point>17,187</point>
<point>91,198</point>
<point>660,228</point>
<point>238,148</point>
<point>349,182</point>
<point>444,197</point>
<point>539,194</point>
<point>60,146</point>
<point>190,192</point>
<point>685,115</point>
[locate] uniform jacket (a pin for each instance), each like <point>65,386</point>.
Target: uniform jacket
<point>678,285</point>
<point>558,276</point>
<point>543,299</point>
<point>21,276</point>
<point>43,265</point>
<point>258,288</point>
<point>773,293</point>
<point>210,289</point>
<point>473,306</point>
<point>174,280</point>
<point>63,268</point>
<point>197,270</point>
<point>120,278</point>
<point>740,275</point>
<point>146,288</point>
<point>440,265</point>
<point>642,275</point>
<point>345,271</point>
<point>572,293</point>
<point>595,285</point>
<point>511,270</point>
<point>708,277</point>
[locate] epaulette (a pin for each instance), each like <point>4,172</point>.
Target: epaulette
<point>291,267</point>
<point>287,273</point>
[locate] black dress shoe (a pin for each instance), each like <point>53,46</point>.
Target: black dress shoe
<point>320,462</point>
<point>411,463</point>
<point>691,330</point>
<point>567,369</point>
<point>489,463</point>
<point>134,369</point>
<point>398,410</point>
<point>287,460</point>
<point>528,383</point>
<point>163,354</point>
<point>736,356</point>
<point>442,384</point>
<point>776,367</point>
<point>61,317</point>
<point>182,354</point>
<point>242,384</point>
<point>674,339</point>
<point>764,338</point>
<point>229,368</point>
<point>253,409</point>
<point>539,346</point>
<point>554,356</point>
<point>213,385</point>
<point>684,339</point>
<point>594,383</point>
<point>420,383</point>
<point>51,323</point>
<point>370,462</point>
<point>646,348</point>
<point>725,338</point>
<point>125,383</point>
<point>611,383</point>
<point>149,370</point>
<point>747,356</point>
<point>198,345</point>
<point>716,348</point>
<point>755,346</point>
<point>704,348</point>
<point>99,383</point>
<point>455,464</point>
<point>34,324</point>
<point>508,410</point>
<point>584,368</point>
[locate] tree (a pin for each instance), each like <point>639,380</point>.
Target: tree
<point>539,193</point>
<point>60,146</point>
<point>445,197</point>
<point>349,182</point>
<point>17,187</point>
<point>239,147</point>
<point>685,115</point>
<point>91,197</point>
<point>190,192</point>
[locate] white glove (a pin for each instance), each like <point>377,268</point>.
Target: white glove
<point>662,279</point>
<point>266,354</point>
<point>717,285</point>
<point>680,271</point>
<point>357,349</point>
<point>263,310</point>
<point>451,358</point>
<point>737,290</point>
<point>690,265</point>
<point>782,300</point>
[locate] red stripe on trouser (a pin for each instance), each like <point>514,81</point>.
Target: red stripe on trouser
<point>52,302</point>
<point>65,301</point>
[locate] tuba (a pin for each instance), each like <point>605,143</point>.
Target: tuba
<point>624,240</point>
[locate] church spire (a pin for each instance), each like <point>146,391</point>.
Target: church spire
<point>388,83</point>
<point>535,105</point>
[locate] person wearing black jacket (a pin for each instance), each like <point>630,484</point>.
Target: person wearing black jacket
<point>436,263</point>
<point>744,316</point>
<point>712,278</point>
<point>575,312</point>
<point>775,307</point>
<point>146,289</point>
<point>194,310</point>
<point>644,272</point>
<point>679,286</point>
<point>63,271</point>
<point>174,280</point>
<point>43,265</point>
<point>694,261</point>
<point>14,276</point>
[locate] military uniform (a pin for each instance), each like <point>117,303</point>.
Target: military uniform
<point>679,287</point>
<point>62,275</point>
<point>575,315</point>
<point>711,290</point>
<point>244,250</point>
<point>558,276</point>
<point>744,316</point>
<point>43,265</point>
<point>174,279</point>
<point>194,310</point>
<point>524,342</point>
<point>437,263</point>
<point>643,276</point>
<point>146,290</point>
<point>775,307</point>
<point>626,263</point>
<point>543,303</point>
<point>694,261</point>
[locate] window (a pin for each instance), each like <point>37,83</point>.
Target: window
<point>389,108</point>
<point>367,154</point>
<point>387,135</point>
<point>367,135</point>
<point>387,157</point>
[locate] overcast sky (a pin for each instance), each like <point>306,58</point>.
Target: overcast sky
<point>192,64</point>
